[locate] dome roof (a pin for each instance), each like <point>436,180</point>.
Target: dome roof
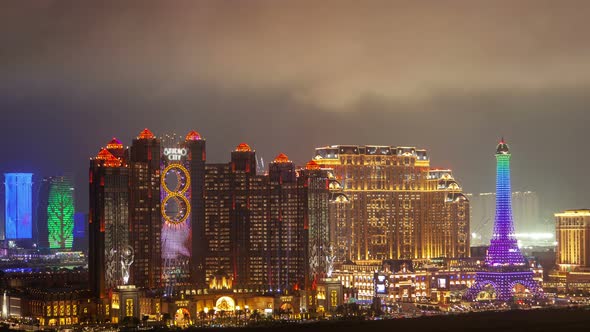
<point>311,165</point>
<point>282,158</point>
<point>146,134</point>
<point>243,147</point>
<point>114,144</point>
<point>502,147</point>
<point>193,136</point>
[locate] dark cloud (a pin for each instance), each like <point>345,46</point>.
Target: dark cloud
<point>287,76</point>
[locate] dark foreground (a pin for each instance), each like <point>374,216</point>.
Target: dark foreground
<point>553,320</point>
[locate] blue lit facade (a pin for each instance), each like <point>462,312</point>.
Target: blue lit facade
<point>80,232</point>
<point>80,220</point>
<point>18,205</point>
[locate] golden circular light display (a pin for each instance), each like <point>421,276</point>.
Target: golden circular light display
<point>176,190</point>
<point>184,216</point>
<point>178,193</point>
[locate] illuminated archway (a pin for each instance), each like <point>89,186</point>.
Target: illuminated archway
<point>225,303</point>
<point>487,293</point>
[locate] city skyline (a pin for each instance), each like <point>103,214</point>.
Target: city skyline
<point>221,163</point>
<point>546,211</point>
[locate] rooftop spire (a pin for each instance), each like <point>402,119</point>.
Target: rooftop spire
<point>146,134</point>
<point>502,147</point>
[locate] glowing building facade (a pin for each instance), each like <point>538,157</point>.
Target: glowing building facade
<point>325,202</point>
<point>148,197</point>
<point>286,227</point>
<point>80,232</point>
<point>572,231</point>
<point>176,213</point>
<point>256,226</point>
<point>236,233</point>
<point>18,206</point>
<point>507,270</point>
<point>195,146</point>
<point>572,273</point>
<point>397,207</point>
<point>60,213</point>
<point>145,222</point>
<point>108,220</point>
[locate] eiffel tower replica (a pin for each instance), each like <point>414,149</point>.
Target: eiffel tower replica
<point>505,265</point>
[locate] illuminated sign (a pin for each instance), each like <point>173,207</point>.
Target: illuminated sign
<point>175,206</point>
<point>175,154</point>
<point>115,301</point>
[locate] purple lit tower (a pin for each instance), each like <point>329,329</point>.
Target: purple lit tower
<point>506,266</point>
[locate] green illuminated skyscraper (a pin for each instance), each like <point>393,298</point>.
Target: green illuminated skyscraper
<point>60,213</point>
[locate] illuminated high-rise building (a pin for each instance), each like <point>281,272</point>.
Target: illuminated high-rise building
<point>108,221</point>
<point>572,231</point>
<point>182,210</point>
<point>255,225</point>
<point>235,220</point>
<point>18,206</point>
<point>396,206</point>
<point>55,213</point>
<point>287,232</point>
<point>59,213</point>
<point>195,146</point>
<point>507,270</point>
<point>176,212</point>
<point>145,222</point>
<point>325,206</point>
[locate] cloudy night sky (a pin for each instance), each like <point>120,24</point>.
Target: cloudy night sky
<point>288,76</point>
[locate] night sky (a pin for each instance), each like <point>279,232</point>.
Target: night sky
<point>289,76</point>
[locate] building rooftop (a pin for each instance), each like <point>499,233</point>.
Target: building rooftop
<point>311,165</point>
<point>114,144</point>
<point>282,158</point>
<point>243,147</point>
<point>146,134</point>
<point>574,213</point>
<point>193,136</point>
